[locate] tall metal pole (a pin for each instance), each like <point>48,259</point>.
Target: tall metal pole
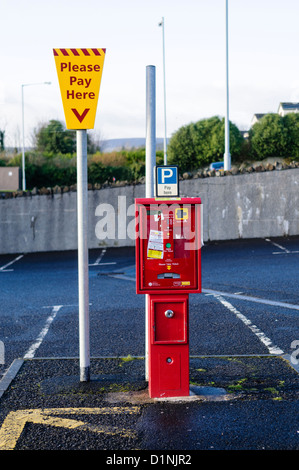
<point>164,82</point>
<point>150,149</point>
<point>227,156</point>
<point>150,162</point>
<point>83,281</point>
<point>23,144</point>
<point>23,131</point>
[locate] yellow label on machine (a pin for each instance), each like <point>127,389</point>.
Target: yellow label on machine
<point>155,254</point>
<point>181,213</point>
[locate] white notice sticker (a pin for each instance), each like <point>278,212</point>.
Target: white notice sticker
<point>155,245</point>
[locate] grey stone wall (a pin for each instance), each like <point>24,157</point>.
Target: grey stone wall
<point>251,205</point>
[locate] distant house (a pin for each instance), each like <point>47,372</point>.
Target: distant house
<point>245,134</point>
<point>285,108</point>
<point>256,118</point>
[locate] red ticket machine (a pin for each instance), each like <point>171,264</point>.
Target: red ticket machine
<point>168,268</point>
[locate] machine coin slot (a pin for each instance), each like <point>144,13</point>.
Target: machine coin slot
<point>169,276</point>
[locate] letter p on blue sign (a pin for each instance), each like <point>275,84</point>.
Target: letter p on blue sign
<point>167,181</point>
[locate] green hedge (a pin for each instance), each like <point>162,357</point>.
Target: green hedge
<point>47,170</point>
<point>49,176</point>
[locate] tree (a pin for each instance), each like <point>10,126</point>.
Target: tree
<point>200,143</point>
<point>181,149</point>
<point>53,138</point>
<point>269,137</point>
<point>2,140</point>
<point>291,123</point>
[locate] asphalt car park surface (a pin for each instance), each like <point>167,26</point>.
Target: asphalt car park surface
<point>244,337</point>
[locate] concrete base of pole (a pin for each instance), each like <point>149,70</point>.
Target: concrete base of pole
<point>84,374</point>
<point>227,161</point>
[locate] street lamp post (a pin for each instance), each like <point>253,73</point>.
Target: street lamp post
<point>165,133</point>
<point>23,133</point>
<point>227,156</point>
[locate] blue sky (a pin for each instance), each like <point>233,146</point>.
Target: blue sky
<point>263,62</point>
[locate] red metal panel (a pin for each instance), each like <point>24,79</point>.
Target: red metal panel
<point>169,371</point>
<point>168,346</point>
<point>169,329</point>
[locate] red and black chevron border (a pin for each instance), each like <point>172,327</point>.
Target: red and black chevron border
<point>78,52</point>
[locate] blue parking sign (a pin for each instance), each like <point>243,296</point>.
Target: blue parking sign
<point>167,181</point>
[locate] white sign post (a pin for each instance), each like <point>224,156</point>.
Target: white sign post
<point>79,74</point>
<point>83,281</point>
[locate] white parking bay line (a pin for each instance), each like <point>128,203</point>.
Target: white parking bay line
<point>3,268</point>
<point>259,300</point>
<point>274,303</point>
<point>282,248</point>
<point>102,264</point>
<point>285,250</point>
<point>33,348</point>
<point>98,261</point>
<point>261,336</point>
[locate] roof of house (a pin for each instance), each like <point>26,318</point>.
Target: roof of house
<point>258,116</point>
<point>289,105</point>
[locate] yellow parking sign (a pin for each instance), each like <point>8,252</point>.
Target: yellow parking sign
<point>79,74</point>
